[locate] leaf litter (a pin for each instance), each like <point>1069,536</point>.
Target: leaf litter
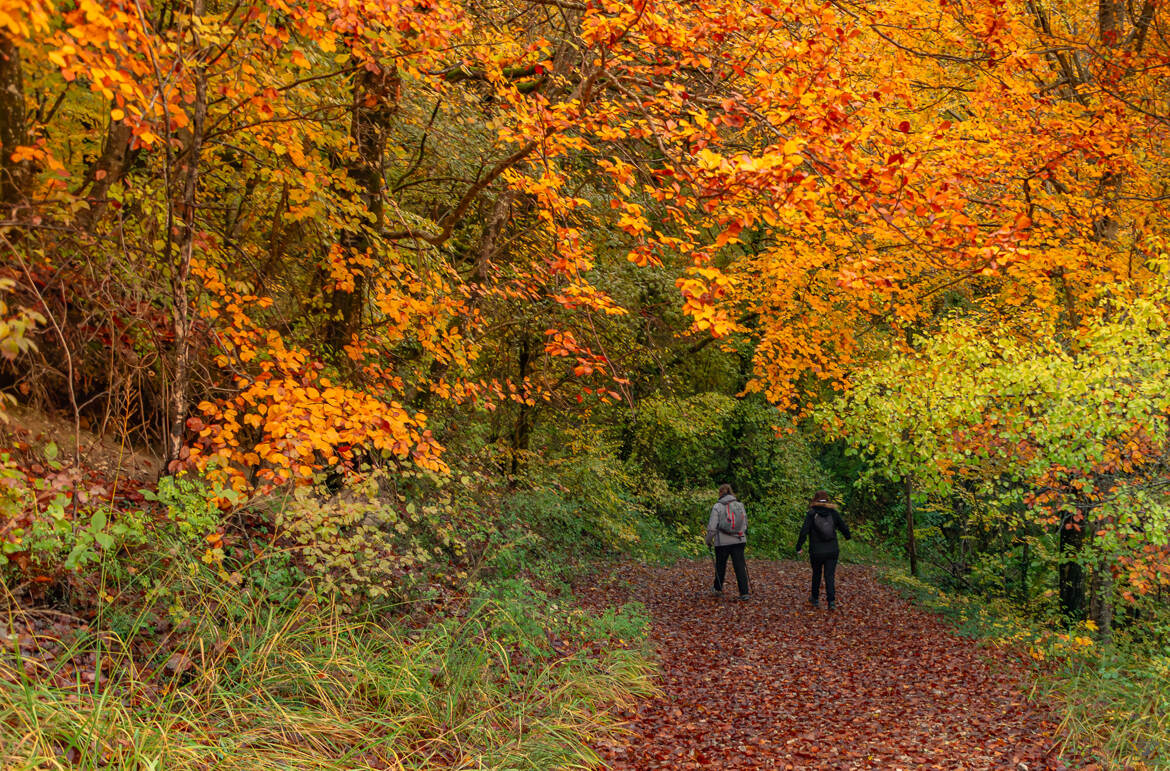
<point>773,683</point>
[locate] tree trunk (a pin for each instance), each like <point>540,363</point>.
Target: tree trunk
<point>107,171</point>
<point>376,92</point>
<point>522,431</point>
<point>911,549</point>
<point>1101,602</point>
<point>1142,25</point>
<point>181,312</point>
<point>1025,558</point>
<point>492,237</point>
<point>14,175</point>
<point>1072,574</point>
<point>1110,14</point>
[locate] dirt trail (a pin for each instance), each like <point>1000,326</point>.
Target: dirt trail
<point>773,683</point>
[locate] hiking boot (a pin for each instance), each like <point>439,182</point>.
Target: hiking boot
<point>832,605</point>
<point>814,603</point>
<point>744,597</point>
<point>716,592</point>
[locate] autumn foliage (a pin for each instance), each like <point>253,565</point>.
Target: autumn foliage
<point>280,240</point>
<point>364,304</point>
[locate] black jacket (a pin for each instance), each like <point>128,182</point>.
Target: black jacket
<point>815,544</point>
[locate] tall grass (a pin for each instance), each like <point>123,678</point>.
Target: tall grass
<point>243,683</point>
<point>1116,705</point>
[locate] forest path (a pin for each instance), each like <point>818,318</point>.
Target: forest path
<point>773,683</point>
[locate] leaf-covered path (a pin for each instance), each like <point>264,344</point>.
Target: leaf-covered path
<point>773,683</point>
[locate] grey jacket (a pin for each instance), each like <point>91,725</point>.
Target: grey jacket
<point>714,537</point>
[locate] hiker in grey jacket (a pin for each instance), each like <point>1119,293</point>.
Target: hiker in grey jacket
<point>821,525</point>
<point>727,534</point>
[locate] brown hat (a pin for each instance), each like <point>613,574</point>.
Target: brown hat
<point>820,496</point>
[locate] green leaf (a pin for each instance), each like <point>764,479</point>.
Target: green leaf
<point>75,558</point>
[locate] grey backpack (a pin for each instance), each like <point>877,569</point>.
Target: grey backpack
<point>729,522</point>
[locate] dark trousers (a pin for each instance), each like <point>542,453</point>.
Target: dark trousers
<point>826,563</point>
<point>735,551</point>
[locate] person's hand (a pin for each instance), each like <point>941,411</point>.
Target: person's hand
<point>799,552</point>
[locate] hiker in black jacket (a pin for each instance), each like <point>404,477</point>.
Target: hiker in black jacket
<point>820,526</point>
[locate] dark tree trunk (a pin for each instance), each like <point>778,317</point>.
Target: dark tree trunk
<point>957,542</point>
<point>14,175</point>
<point>107,171</point>
<point>911,548</point>
<point>376,92</point>
<point>1072,574</point>
<point>1110,17</point>
<point>522,431</point>
<point>1101,602</point>
<point>1142,25</point>
<point>1110,14</point>
<point>1025,558</point>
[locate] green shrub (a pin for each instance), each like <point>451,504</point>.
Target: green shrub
<point>686,441</point>
<point>688,507</point>
<point>773,529</point>
<point>36,525</point>
<point>382,536</point>
<point>55,527</point>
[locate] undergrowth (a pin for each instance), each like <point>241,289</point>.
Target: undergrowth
<point>1113,699</point>
<point>512,683</point>
<point>243,656</point>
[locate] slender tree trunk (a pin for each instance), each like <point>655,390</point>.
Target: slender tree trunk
<point>492,237</point>
<point>1110,17</point>
<point>522,431</point>
<point>106,172</point>
<point>1142,25</point>
<point>1101,601</point>
<point>1100,589</point>
<point>181,311</point>
<point>14,175</point>
<point>911,549</point>
<point>1025,558</point>
<point>376,91</point>
<point>1072,574</point>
